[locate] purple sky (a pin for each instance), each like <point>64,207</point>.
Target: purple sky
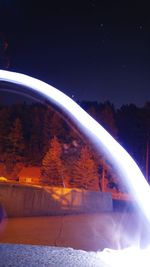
<point>91,50</point>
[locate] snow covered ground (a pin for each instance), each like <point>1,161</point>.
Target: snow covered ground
<point>44,256</point>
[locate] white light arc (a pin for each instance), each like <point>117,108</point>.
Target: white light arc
<point>99,136</point>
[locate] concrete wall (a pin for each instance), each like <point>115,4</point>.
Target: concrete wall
<point>21,200</point>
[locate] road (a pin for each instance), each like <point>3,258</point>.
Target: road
<point>90,232</point>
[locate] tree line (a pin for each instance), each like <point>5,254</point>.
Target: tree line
<point>37,135</point>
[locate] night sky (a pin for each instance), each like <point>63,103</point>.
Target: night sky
<point>89,49</point>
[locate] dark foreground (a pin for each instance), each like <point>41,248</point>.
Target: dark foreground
<point>44,256</point>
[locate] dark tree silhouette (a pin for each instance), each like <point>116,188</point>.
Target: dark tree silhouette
<point>15,150</point>
<point>4,61</point>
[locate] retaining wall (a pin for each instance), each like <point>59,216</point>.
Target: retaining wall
<point>22,200</point>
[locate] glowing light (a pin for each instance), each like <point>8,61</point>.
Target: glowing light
<point>99,136</point>
<point>127,257</point>
<point>3,179</point>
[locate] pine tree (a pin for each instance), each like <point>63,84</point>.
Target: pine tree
<point>35,142</point>
<point>52,166</point>
<point>4,131</point>
<point>17,140</point>
<point>16,146</point>
<point>85,171</point>
<point>53,125</point>
<point>107,118</point>
<point>4,61</point>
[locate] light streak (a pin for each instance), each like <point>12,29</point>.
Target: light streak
<point>131,256</point>
<point>126,166</point>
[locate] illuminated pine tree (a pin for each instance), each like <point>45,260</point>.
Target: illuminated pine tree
<point>52,166</point>
<point>16,146</point>
<point>85,171</point>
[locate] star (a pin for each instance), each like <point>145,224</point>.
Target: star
<point>140,27</point>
